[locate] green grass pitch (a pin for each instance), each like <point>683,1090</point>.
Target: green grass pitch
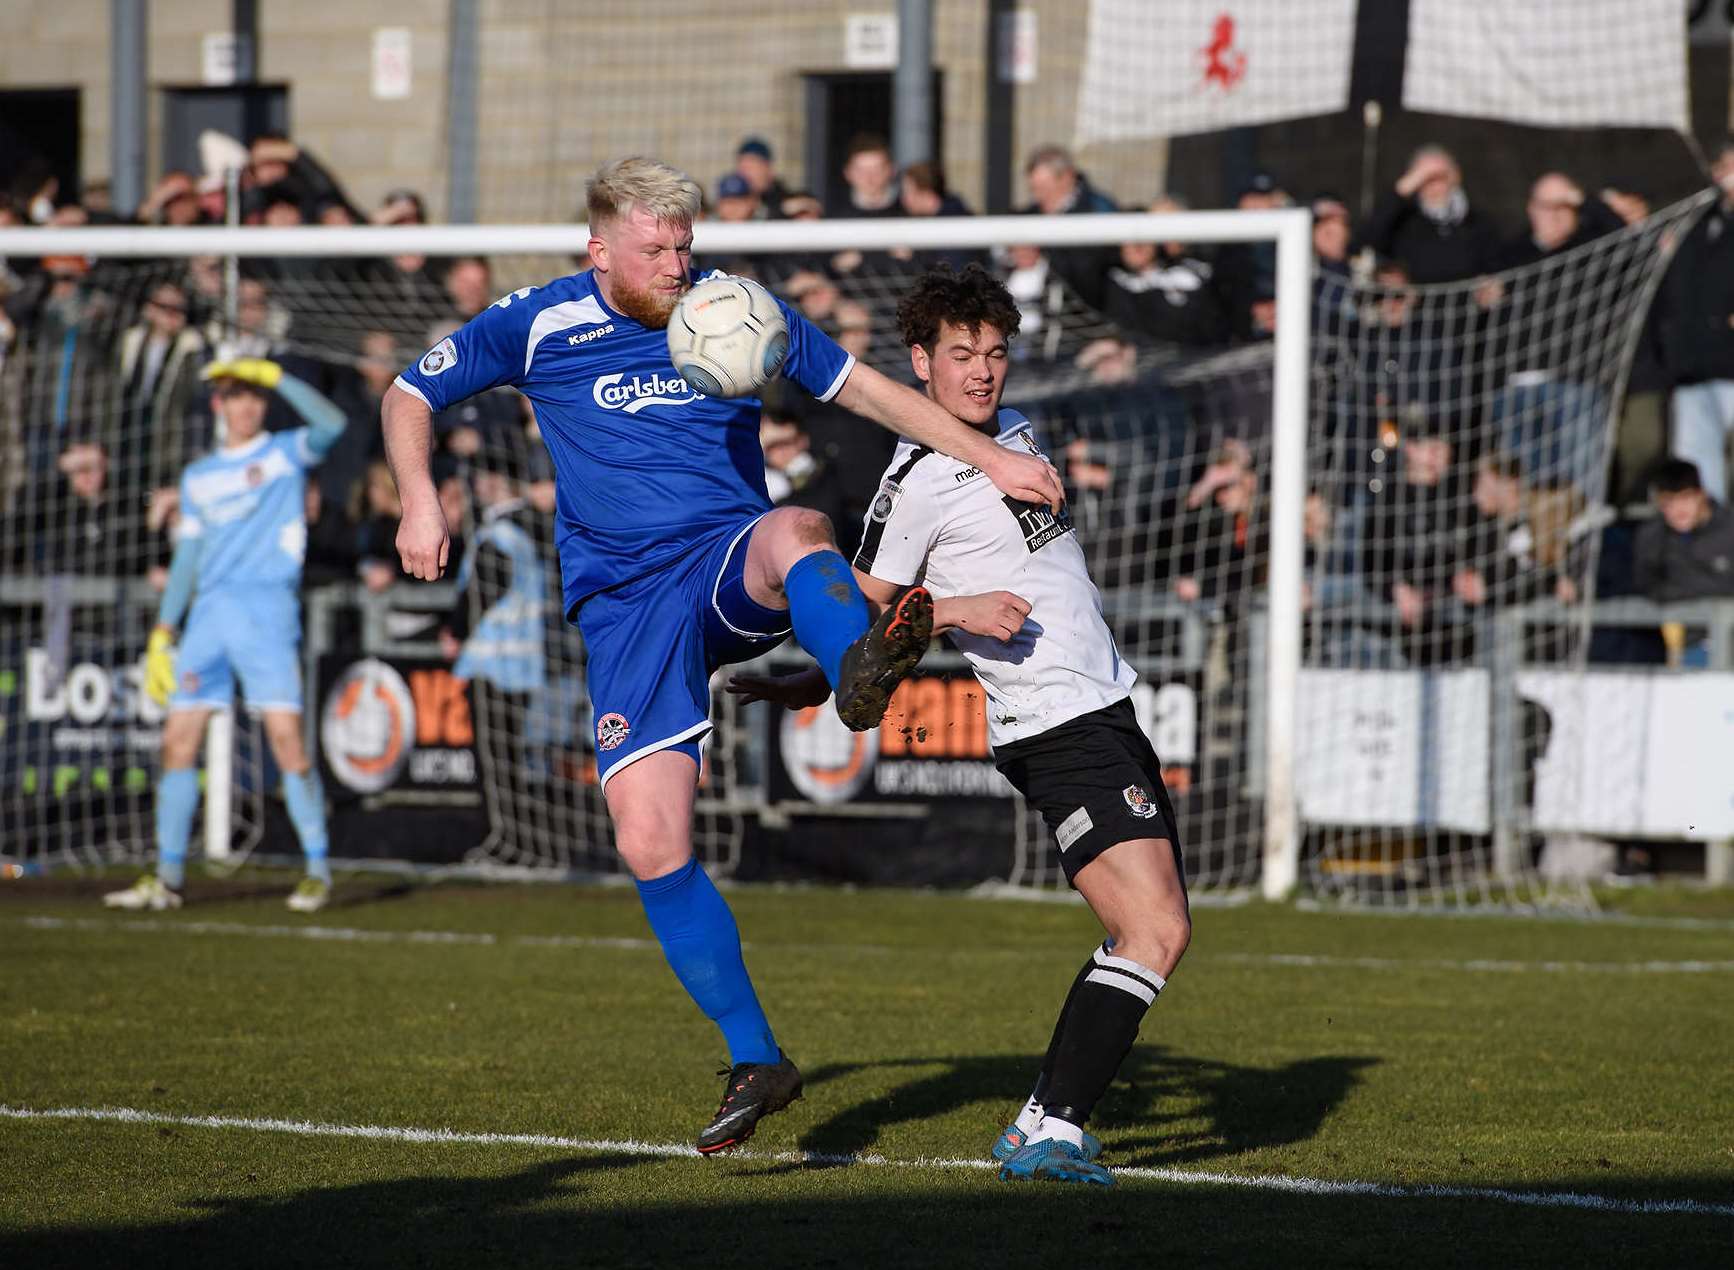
<point>1474,1073</point>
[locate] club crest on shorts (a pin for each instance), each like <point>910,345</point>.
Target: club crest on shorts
<point>1138,802</point>
<point>611,730</point>
<point>190,682</point>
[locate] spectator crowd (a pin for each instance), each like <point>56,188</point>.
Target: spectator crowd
<point>1460,384</point>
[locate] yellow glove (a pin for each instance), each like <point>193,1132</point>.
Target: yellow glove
<point>251,370</point>
<point>160,665</point>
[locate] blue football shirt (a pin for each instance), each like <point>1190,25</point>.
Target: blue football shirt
<point>644,466</point>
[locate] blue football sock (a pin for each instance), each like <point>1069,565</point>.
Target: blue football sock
<point>306,801</point>
<point>703,946</point>
<point>177,799</point>
<point>826,608</point>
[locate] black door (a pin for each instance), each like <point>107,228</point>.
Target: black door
<point>843,105</point>
<point>39,139</point>
<point>241,112</point>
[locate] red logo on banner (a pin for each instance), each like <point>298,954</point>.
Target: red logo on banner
<point>1223,63</point>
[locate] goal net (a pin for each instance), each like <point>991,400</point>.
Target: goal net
<point>1357,631</point>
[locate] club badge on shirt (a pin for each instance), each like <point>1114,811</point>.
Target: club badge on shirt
<point>440,358</point>
<point>886,499</point>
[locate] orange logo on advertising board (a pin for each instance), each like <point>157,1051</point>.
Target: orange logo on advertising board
<point>931,717</point>
<point>442,708</point>
<point>373,721</point>
<point>826,761</point>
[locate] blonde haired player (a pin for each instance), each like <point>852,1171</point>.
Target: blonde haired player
<point>672,559</point>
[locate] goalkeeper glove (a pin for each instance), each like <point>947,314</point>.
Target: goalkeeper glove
<point>249,370</point>
<point>160,665</point>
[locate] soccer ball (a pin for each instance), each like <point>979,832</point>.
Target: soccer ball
<point>727,337</point>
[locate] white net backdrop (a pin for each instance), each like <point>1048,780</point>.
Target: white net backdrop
<point>1456,451</point>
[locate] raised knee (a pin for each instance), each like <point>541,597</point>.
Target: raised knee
<point>806,527</point>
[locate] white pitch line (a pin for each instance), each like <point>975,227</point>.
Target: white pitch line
<point>668,1150</point>
<point>356,934</point>
<point>1477,964</point>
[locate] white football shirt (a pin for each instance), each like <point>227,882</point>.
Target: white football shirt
<point>942,523</point>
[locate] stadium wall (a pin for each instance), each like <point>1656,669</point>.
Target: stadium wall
<point>561,87</point>
<point>564,85</point>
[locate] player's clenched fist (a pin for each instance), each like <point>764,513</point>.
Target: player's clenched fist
<point>424,543</point>
<point>1027,477</point>
<point>997,614</point>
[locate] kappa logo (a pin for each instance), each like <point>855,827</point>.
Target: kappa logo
<point>584,337</point>
<point>440,358</point>
<point>505,301</point>
<point>611,730</point>
<point>1138,802</point>
<point>617,392</point>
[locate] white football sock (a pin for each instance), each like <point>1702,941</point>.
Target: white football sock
<point>1029,1118</point>
<point>1059,1130</point>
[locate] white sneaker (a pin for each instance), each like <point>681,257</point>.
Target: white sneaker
<point>148,892</point>
<point>309,896</point>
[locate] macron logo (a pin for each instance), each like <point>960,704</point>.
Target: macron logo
<point>585,337</point>
<point>616,392</point>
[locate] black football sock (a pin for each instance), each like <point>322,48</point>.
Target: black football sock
<point>1047,1072</point>
<point>1096,1032</point>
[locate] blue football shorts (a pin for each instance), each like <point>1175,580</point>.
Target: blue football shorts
<point>654,642</point>
<point>252,634</point>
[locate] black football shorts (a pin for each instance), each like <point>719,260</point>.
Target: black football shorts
<point>1097,782</point>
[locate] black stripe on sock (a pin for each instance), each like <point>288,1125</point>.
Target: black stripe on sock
<point>1130,974</point>
<point>1140,979</point>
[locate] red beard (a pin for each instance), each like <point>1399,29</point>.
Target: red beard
<point>648,308</point>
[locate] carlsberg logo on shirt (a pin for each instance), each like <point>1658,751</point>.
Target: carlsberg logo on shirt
<point>617,392</point>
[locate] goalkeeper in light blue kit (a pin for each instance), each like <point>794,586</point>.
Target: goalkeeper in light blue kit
<point>237,562</point>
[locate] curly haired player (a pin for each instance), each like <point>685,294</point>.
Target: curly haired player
<point>1060,715</point>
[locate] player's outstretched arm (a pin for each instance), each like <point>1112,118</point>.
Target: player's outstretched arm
<point>905,411</point>
<point>423,539</point>
<point>796,691</point>
<point>324,418</point>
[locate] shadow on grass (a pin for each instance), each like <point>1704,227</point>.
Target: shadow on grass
<point>1163,1108</point>
<point>354,893</point>
<point>612,1209</point>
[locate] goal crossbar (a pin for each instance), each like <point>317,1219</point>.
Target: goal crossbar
<point>708,236</point>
